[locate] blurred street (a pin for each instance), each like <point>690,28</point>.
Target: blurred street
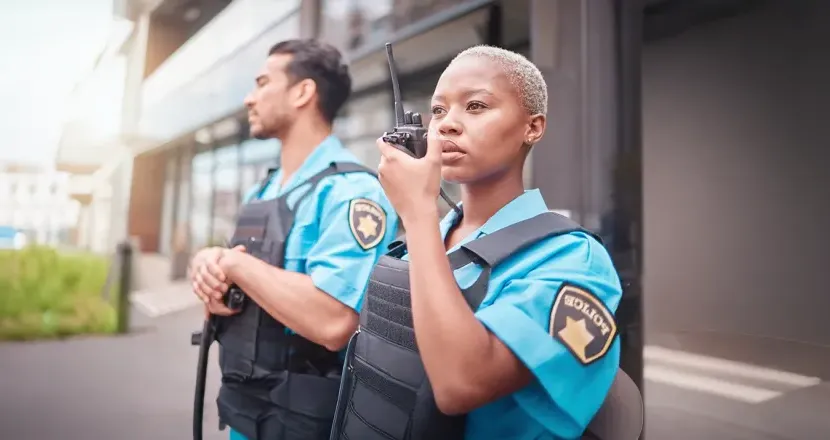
<point>140,386</point>
<point>689,396</point>
<point>134,387</point>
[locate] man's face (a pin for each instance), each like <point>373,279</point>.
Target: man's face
<point>269,104</point>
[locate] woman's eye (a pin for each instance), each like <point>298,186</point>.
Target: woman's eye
<point>437,110</point>
<point>475,106</point>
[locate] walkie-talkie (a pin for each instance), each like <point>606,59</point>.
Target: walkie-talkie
<point>409,133</point>
<point>235,298</point>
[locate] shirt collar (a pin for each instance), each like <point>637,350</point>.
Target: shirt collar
<point>528,205</point>
<point>320,158</point>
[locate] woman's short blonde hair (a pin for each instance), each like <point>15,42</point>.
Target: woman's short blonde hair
<point>521,72</point>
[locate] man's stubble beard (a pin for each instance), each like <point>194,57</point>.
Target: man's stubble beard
<point>276,130</point>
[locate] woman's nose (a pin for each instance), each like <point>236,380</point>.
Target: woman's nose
<point>449,125</point>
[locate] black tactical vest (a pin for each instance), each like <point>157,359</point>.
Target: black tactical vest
<point>385,393</point>
<point>275,385</point>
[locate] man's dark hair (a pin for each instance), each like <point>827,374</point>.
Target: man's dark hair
<point>322,63</point>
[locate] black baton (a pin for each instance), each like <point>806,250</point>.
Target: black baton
<point>204,339</point>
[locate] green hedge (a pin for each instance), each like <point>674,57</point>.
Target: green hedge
<point>45,293</point>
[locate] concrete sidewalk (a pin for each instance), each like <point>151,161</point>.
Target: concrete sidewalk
<point>138,386</point>
<point>164,299</point>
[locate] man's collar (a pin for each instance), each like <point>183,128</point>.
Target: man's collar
<point>320,158</point>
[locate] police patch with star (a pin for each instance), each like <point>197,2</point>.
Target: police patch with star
<point>367,221</point>
<point>582,323</point>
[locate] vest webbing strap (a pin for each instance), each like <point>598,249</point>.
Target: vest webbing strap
<point>494,248</point>
<point>332,169</point>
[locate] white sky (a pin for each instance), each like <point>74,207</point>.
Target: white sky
<point>46,46</point>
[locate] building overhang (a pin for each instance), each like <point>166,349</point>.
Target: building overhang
<point>83,199</point>
<point>74,168</point>
<point>77,150</point>
<point>132,9</point>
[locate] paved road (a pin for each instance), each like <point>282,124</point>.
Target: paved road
<point>694,397</point>
<point>127,388</point>
<point>140,386</point>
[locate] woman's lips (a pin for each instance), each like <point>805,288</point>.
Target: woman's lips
<point>451,152</point>
<point>450,147</point>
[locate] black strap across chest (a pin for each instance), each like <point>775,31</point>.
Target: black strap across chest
<point>492,249</point>
<point>311,182</point>
<point>285,213</point>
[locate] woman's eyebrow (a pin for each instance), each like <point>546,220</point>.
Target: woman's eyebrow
<point>478,92</point>
<point>466,94</point>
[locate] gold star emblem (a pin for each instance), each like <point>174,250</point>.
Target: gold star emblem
<point>367,226</point>
<point>367,222</point>
<point>583,324</point>
<point>576,335</point>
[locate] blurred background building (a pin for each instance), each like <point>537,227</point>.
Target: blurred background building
<point>734,161</point>
<point>35,207</point>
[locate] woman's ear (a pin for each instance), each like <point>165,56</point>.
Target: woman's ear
<point>535,129</point>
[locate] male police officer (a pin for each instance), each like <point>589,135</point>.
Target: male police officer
<point>305,244</point>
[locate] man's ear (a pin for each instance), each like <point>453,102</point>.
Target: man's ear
<point>535,129</point>
<point>304,92</point>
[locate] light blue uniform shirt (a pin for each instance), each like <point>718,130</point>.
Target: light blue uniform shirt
<point>518,309</point>
<point>322,241</point>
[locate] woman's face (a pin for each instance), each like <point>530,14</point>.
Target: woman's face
<point>479,122</point>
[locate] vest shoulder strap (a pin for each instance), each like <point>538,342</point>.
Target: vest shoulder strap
<point>340,168</point>
<point>351,167</point>
<point>494,248</point>
<point>264,182</point>
<point>332,169</point>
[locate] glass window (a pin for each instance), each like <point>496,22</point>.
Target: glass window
<point>257,157</point>
<point>202,192</point>
<point>257,151</point>
<point>248,177</point>
<point>350,24</point>
<point>361,122</point>
<point>181,231</point>
<point>168,200</point>
<point>226,193</point>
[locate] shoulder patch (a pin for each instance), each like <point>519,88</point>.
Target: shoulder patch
<point>582,323</point>
<point>367,221</point>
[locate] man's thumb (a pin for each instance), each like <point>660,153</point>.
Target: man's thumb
<point>240,248</point>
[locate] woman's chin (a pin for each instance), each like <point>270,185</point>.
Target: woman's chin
<point>455,175</point>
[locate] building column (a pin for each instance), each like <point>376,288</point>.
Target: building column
<point>310,18</point>
<point>588,164</point>
<point>122,177</point>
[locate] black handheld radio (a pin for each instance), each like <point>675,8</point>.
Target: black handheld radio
<point>235,298</point>
<point>409,133</point>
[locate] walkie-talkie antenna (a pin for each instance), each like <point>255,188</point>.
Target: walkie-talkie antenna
<point>396,89</point>
<point>409,132</point>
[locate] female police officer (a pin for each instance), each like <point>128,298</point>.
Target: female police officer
<point>505,308</point>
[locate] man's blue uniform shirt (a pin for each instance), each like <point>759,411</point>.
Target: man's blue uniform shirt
<point>517,309</point>
<point>321,242</point>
